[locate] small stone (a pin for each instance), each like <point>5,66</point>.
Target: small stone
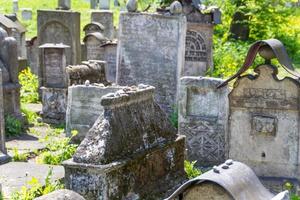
<point>225,166</point>
<point>142,86</point>
<point>87,83</point>
<point>110,95</point>
<point>216,170</point>
<point>229,162</point>
<point>176,7</point>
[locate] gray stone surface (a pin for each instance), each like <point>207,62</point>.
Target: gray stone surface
<point>203,117</point>
<point>104,4</point>
<point>93,27</point>
<point>14,175</point>
<point>94,46</point>
<point>110,56</point>
<point>54,105</point>
<point>59,26</point>
<point>2,123</point>
<point>264,123</point>
<point>151,51</point>
<point>32,49</point>
<point>61,195</point>
<point>131,152</point>
<point>64,4</point>
<point>26,14</point>
<point>84,107</point>
<point>15,6</point>
<point>106,18</point>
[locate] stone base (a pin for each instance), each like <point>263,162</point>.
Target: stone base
<point>149,175</point>
<point>54,105</point>
<point>4,158</point>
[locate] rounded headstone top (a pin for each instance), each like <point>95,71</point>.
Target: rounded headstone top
<point>176,7</point>
<point>131,5</point>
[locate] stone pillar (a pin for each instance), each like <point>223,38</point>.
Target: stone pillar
<point>131,152</point>
<point>203,118</point>
<point>106,18</point>
<point>84,107</point>
<point>54,90</point>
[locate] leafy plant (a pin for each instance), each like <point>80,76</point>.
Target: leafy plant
<point>13,126</point>
<point>191,170</point>
<point>19,157</point>
<point>36,189</point>
<point>295,197</point>
<point>29,90</point>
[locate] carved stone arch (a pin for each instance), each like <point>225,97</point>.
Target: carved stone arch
<point>196,49</point>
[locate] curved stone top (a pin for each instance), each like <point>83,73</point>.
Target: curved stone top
<point>54,46</point>
<point>99,26</point>
<point>99,36</point>
<point>235,177</point>
<point>128,95</point>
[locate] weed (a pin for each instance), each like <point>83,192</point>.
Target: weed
<point>13,126</point>
<point>29,90</point>
<point>19,157</point>
<point>191,170</point>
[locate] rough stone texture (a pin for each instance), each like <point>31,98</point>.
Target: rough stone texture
<point>151,51</point>
<point>32,49</point>
<point>93,71</point>
<point>131,152</point>
<point>94,43</point>
<point>84,107</point>
<point>26,14</point>
<point>61,195</point>
<point>59,26</point>
<point>14,175</point>
<point>10,81</point>
<point>203,117</point>
<point>106,18</point>
<point>264,123</point>
<point>54,105</point>
<point>54,65</point>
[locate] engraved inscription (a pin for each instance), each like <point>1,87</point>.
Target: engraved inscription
<point>54,68</point>
<point>264,125</point>
<point>264,93</point>
<point>196,50</point>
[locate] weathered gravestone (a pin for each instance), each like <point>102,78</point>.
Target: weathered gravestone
<point>151,51</point>
<point>231,180</point>
<point>131,152</point>
<point>64,5</point>
<point>10,81</point>
<point>93,27</point>
<point>104,4</point>
<point>84,107</point>
<point>26,14</point>
<point>94,42</point>
<point>60,26</point>
<point>199,40</point>
<point>203,116</point>
<point>93,4</point>
<point>15,6</point>
<point>55,83</point>
<point>32,49</point>
<point>106,18</point>
<point>110,56</point>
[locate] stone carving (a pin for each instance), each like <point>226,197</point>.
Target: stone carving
<point>151,51</point>
<point>84,107</point>
<point>94,71</point>
<point>106,18</point>
<point>140,158</point>
<point>202,117</point>
<point>265,115</point>
<point>195,49</point>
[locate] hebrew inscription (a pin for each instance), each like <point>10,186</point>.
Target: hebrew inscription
<point>264,125</point>
<point>195,48</point>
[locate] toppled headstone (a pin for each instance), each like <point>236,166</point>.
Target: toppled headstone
<point>203,117</point>
<point>106,18</point>
<point>231,180</point>
<point>131,152</point>
<point>26,14</point>
<point>84,108</point>
<point>61,195</point>
<point>151,51</point>
<point>94,71</point>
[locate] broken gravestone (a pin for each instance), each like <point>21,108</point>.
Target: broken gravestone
<point>131,152</point>
<point>84,107</point>
<point>202,118</point>
<point>151,51</point>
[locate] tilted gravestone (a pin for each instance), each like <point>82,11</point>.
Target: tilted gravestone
<point>202,118</point>
<point>60,26</point>
<point>9,66</point>
<point>151,51</point>
<point>131,152</point>
<point>106,18</point>
<point>84,107</point>
<point>264,123</point>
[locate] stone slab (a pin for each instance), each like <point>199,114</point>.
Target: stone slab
<point>14,175</point>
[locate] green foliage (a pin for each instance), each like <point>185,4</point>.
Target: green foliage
<point>31,117</point>
<point>58,150</point>
<point>1,196</point>
<point>13,126</point>
<point>29,89</point>
<point>294,197</point>
<point>191,170</point>
<point>19,157</point>
<point>174,117</point>
<point>36,189</point>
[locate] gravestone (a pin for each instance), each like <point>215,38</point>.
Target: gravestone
<point>139,158</point>
<point>93,27</point>
<point>84,107</point>
<point>203,117</point>
<point>264,123</point>
<point>231,180</point>
<point>10,81</point>
<point>104,4</point>
<point>54,82</point>
<point>151,51</point>
<point>93,4</point>
<point>110,56</point>
<point>32,49</point>
<point>26,14</point>
<point>60,26</point>
<point>15,6</point>
<point>64,5</point>
<point>94,42</point>
<point>106,18</point>
<point>199,40</point>
<point>54,65</point>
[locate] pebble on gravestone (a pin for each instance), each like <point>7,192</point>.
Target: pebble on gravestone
<point>26,14</point>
